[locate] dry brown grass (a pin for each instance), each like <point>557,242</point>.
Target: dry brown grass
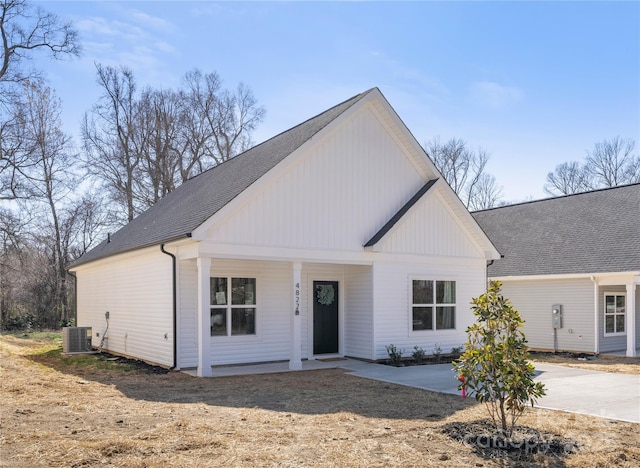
<point>69,412</point>
<point>602,362</point>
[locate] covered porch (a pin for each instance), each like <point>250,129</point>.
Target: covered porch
<point>274,311</point>
<point>617,313</point>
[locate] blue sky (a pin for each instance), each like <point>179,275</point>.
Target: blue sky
<point>533,83</point>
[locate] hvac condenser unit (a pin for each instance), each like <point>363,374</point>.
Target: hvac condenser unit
<point>76,340</point>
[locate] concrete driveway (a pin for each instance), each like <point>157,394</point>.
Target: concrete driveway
<point>612,396</point>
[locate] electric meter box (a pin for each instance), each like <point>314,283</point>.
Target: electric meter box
<point>556,315</point>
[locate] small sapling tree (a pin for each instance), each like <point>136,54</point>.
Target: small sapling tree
<point>494,366</point>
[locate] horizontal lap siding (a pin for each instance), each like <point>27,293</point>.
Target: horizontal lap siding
<point>137,292</point>
<point>637,317</point>
<point>358,304</point>
<point>533,299</point>
<point>187,318</point>
<point>392,302</point>
<point>273,325</point>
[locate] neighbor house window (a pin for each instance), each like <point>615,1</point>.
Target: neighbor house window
<point>433,305</point>
<point>614,312</point>
<point>233,306</point>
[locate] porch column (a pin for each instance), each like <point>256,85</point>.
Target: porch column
<point>631,319</point>
<point>295,363</point>
<point>204,317</point>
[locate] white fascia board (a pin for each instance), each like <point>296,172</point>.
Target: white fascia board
<point>399,132</point>
<point>611,278</point>
<point>286,254</point>
<point>116,258</point>
<point>279,169</point>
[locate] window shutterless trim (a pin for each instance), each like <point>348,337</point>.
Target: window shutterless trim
<point>434,305</point>
<point>614,314</point>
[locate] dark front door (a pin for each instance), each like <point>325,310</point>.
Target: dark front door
<point>325,317</point>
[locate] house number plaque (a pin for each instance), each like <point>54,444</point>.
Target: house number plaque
<point>297,292</point>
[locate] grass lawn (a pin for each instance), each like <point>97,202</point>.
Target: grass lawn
<point>87,411</point>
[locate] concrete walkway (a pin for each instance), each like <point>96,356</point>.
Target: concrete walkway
<point>612,396</point>
<point>608,395</point>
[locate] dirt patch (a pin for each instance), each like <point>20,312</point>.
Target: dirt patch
<point>519,446</point>
<point>73,412</point>
<point>602,362</point>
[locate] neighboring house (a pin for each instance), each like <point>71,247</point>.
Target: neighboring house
<point>581,252</point>
<point>335,238</point>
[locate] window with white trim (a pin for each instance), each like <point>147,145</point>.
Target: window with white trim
<point>433,305</point>
<point>614,313</point>
<point>233,306</point>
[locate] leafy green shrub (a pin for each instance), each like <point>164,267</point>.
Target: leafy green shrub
<point>494,367</point>
<point>395,355</point>
<point>437,352</point>
<point>418,354</point>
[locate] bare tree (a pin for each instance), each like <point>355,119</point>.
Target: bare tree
<point>569,177</point>
<point>13,161</point>
<point>487,193</point>
<point>25,29</point>
<point>10,262</point>
<point>50,181</point>
<point>161,119</point>
<point>143,146</point>
<point>613,162</point>
<point>218,123</point>
<point>111,137</point>
<point>464,171</point>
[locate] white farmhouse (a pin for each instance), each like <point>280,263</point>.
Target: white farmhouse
<point>334,238</point>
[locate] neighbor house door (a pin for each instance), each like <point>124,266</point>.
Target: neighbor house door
<point>325,317</point>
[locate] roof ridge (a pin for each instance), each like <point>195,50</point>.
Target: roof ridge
<point>548,199</point>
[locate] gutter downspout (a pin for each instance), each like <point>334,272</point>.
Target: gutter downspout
<point>486,271</point>
<point>175,309</point>
<point>596,317</point>
<point>75,295</point>
<point>486,275</point>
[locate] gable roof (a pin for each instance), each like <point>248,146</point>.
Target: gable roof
<point>592,232</point>
<point>187,210</point>
<point>180,212</point>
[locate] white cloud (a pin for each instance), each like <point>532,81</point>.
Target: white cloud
<point>145,19</point>
<point>495,95</point>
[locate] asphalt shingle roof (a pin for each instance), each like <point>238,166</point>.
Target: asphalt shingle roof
<point>191,204</point>
<point>592,232</point>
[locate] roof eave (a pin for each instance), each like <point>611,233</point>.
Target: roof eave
<point>80,262</point>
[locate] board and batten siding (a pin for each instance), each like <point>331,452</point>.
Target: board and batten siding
<point>137,291</point>
<point>392,284</point>
<point>534,301</point>
<point>610,343</point>
<point>358,316</point>
<point>335,196</point>
<point>430,229</point>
